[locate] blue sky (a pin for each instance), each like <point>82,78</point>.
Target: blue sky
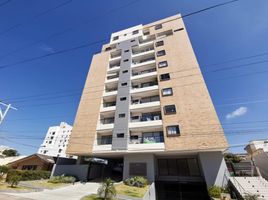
<point>219,35</point>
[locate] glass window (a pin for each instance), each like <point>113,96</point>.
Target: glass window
<point>125,71</point>
<point>123,84</point>
<point>126,60</point>
<point>106,139</point>
<point>159,43</point>
<point>161,53</point>
<point>164,77</point>
<point>158,26</point>
<point>115,38</point>
<point>167,92</point>
<point>135,32</point>
<point>173,130</point>
<point>123,98</point>
<point>122,115</point>
<point>162,64</point>
<point>120,135</point>
<point>170,109</point>
<point>126,51</point>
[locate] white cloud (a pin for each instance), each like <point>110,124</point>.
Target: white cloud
<point>47,48</point>
<point>237,113</point>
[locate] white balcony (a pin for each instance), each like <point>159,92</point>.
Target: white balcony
<point>144,89</point>
<point>104,127</point>
<point>107,109</point>
<point>111,93</point>
<point>145,124</point>
<point>145,44</point>
<point>113,69</point>
<point>143,54</point>
<point>148,147</point>
<point>102,148</point>
<point>145,75</point>
<point>112,80</point>
<point>115,58</point>
<point>142,106</point>
<point>149,62</point>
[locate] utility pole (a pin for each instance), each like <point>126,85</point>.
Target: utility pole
<point>4,108</point>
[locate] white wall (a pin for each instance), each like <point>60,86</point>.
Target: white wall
<point>261,161</point>
<point>213,166</point>
<point>56,139</point>
<point>140,158</point>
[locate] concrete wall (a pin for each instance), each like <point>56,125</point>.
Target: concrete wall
<point>79,171</point>
<point>140,158</point>
<point>261,161</point>
<point>213,166</point>
<point>150,195</point>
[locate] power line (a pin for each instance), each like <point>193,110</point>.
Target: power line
<point>36,16</point>
<point>100,41</point>
<point>69,29</point>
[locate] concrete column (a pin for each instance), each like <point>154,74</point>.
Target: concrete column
<point>140,158</point>
<point>214,168</point>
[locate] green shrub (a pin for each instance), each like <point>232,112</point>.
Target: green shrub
<point>27,175</point>
<point>14,180</point>
<point>107,190</point>
<point>3,170</point>
<point>251,197</point>
<point>137,181</point>
<point>62,179</point>
<point>215,191</point>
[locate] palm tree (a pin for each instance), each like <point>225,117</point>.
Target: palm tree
<point>107,190</point>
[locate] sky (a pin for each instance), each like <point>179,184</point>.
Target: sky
<point>47,91</point>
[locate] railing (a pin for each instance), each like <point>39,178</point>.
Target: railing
<point>142,61</point>
<point>113,66</point>
<point>145,85</point>
<point>142,51</point>
<point>110,104</point>
<point>112,77</point>
<point>147,140</point>
<point>152,117</point>
<point>107,121</point>
<point>141,101</point>
<point>143,72</point>
<point>115,56</point>
<point>111,90</point>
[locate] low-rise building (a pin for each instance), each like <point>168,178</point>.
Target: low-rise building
<point>56,141</point>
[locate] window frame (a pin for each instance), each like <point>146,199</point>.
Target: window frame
<point>159,53</point>
<point>158,26</point>
<point>163,95</point>
<point>178,133</point>
<point>161,62</point>
<point>159,43</point>
<point>166,79</point>
<point>122,115</point>
<point>170,113</point>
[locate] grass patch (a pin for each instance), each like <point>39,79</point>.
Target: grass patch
<point>91,197</point>
<point>44,184</point>
<point>6,187</point>
<point>130,190</point>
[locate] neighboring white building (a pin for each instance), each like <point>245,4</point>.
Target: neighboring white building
<point>256,145</point>
<point>56,140</point>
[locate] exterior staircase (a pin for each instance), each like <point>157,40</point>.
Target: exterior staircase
<point>251,185</point>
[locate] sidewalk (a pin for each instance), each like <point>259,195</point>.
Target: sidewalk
<point>72,192</point>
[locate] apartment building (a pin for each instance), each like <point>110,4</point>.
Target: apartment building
<point>145,108</point>
<point>56,141</point>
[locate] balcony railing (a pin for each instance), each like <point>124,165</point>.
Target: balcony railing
<point>111,90</point>
<point>144,85</point>
<point>142,61</point>
<point>146,117</point>
<point>147,139</point>
<point>143,72</point>
<point>112,77</point>
<point>145,100</point>
<point>104,140</point>
<point>142,51</point>
<point>107,120</point>
<point>109,104</point>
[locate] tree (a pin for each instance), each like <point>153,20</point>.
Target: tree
<point>3,170</point>
<point>229,157</point>
<point>14,180</point>
<point>10,152</point>
<point>107,190</point>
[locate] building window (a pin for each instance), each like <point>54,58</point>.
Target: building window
<point>120,135</point>
<point>126,60</point>
<point>124,84</point>
<point>170,109</point>
<point>164,77</point>
<point>132,40</point>
<point>138,169</point>
<point>29,167</point>
<point>49,142</point>
<point>122,115</point>
<point>123,98</point>
<point>60,150</point>
<point>135,32</point>
<point>161,53</point>
<point>173,130</point>
<point>180,29</point>
<point>167,92</point>
<point>125,71</point>
<point>162,64</point>
<point>108,49</point>
<point>159,43</point>
<point>115,38</point>
<point>126,51</point>
<point>106,139</point>
<point>158,26</point>
<point>146,32</point>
